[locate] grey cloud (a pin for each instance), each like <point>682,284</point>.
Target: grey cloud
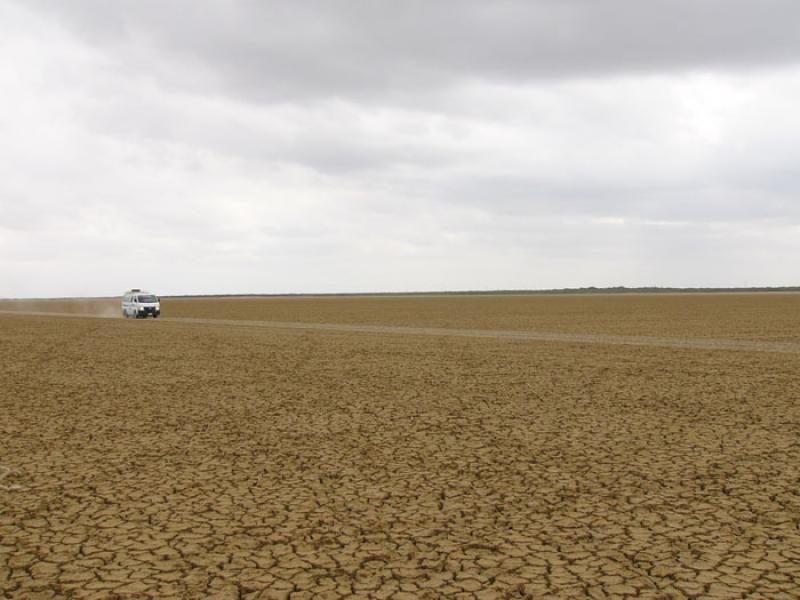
<point>273,51</point>
<point>519,196</point>
<point>331,138</point>
<point>341,146</point>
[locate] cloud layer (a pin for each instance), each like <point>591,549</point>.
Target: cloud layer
<point>342,146</point>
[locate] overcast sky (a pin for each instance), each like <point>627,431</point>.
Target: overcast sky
<point>334,146</point>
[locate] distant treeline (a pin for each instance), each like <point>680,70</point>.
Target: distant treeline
<point>620,289</point>
<point>584,290</point>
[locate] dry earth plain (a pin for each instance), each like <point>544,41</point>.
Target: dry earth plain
<point>190,459</point>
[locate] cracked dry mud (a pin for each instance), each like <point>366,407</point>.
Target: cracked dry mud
<point>182,460</point>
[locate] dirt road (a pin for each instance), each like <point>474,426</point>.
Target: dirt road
<point>532,336</point>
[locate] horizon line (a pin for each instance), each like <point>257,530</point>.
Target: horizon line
<point>588,290</point>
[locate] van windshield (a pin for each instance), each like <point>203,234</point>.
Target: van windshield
<point>148,299</point>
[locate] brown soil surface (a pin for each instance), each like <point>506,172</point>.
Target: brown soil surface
<point>757,316</point>
<point>176,459</point>
<point>771,316</point>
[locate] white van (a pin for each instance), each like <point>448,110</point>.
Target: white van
<point>140,304</point>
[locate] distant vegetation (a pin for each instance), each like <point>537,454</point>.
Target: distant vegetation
<point>584,290</point>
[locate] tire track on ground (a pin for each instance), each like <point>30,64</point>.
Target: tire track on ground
<point>533,336</point>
